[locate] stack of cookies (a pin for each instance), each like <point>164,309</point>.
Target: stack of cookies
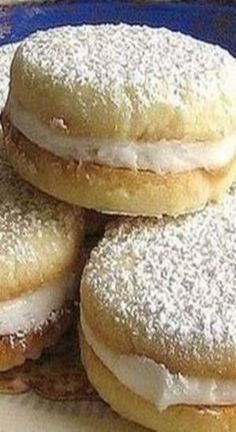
<point>140,123</point>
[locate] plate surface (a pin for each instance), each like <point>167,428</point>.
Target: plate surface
<point>215,24</point>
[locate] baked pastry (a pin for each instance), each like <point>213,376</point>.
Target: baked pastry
<point>158,319</point>
<point>41,254</point>
<point>123,119</point>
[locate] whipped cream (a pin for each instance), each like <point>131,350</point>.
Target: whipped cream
<point>160,157</point>
<point>155,383</point>
<point>32,310</point>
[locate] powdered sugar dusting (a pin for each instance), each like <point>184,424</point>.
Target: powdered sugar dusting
<point>6,55</point>
<point>25,213</point>
<point>120,61</point>
<point>172,280</point>
<point>37,232</point>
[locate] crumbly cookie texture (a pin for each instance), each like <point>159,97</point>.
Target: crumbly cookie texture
<point>117,80</point>
<point>170,283</point>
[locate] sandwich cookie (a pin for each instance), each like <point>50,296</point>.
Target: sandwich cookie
<point>41,243</point>
<point>158,320</point>
<point>123,119</point>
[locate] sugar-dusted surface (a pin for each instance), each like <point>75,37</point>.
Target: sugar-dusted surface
<point>107,57</point>
<point>24,214</point>
<point>6,55</point>
<point>123,81</point>
<point>40,237</point>
<point>33,226</point>
<point>19,209</point>
<point>172,282</point>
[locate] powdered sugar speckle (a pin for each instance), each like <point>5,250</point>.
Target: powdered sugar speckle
<point>110,58</point>
<point>27,214</point>
<point>6,55</point>
<point>174,279</point>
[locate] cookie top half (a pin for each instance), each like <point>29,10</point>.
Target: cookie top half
<point>130,82</point>
<point>40,237</point>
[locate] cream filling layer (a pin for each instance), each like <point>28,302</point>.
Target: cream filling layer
<point>155,383</point>
<point>30,311</point>
<point>160,157</point>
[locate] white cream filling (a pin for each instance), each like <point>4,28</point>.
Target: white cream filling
<point>32,310</point>
<point>155,383</point>
<point>160,157</point>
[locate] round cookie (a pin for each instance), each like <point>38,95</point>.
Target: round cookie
<point>158,308</point>
<point>41,256</point>
<point>133,120</point>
